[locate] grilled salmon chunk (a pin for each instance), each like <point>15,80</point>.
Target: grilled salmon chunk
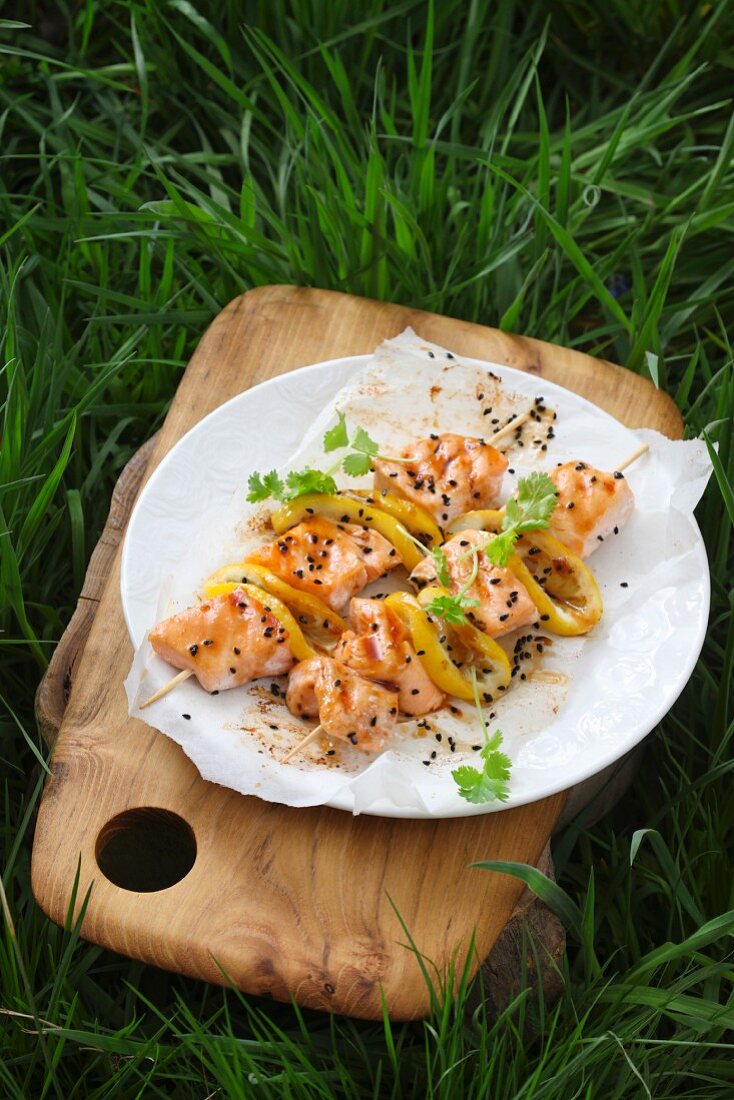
<point>379,648</point>
<point>504,603</point>
<point>447,475</point>
<point>227,641</point>
<point>347,706</point>
<point>329,560</point>
<point>591,505</point>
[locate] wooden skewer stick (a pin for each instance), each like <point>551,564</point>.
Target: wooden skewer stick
<point>508,428</point>
<point>641,450</point>
<point>179,679</point>
<point>302,743</point>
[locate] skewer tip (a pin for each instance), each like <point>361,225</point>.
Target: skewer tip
<point>302,743</point>
<point>178,679</point>
<point>637,453</point>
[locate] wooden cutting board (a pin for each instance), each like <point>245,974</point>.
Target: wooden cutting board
<point>303,904</point>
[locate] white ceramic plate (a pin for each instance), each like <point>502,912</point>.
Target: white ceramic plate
<point>632,668</point>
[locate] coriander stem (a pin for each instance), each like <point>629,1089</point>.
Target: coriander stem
<point>392,458</point>
<point>418,543</point>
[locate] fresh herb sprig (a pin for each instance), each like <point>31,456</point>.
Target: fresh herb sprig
<point>491,782</point>
<point>363,447</point>
<point>297,483</point>
<point>300,482</point>
<point>531,510</point>
<point>453,608</point>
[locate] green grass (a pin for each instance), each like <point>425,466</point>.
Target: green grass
<point>559,170</point>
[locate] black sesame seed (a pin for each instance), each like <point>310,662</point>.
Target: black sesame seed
<point>193,650</point>
<point>187,717</point>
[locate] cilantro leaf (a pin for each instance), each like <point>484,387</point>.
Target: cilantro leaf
<point>260,488</point>
<point>300,482</point>
<point>364,443</point>
<point>296,484</point>
<point>500,548</point>
<point>452,609</point>
<point>337,436</point>
<point>493,742</point>
<point>442,566</point>
<point>530,511</point>
<point>357,464</point>
<point>512,512</point>
<point>536,498</point>
<point>490,784</point>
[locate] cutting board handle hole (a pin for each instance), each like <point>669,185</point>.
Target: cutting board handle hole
<point>146,849</point>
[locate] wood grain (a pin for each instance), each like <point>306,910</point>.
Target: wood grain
<point>294,903</point>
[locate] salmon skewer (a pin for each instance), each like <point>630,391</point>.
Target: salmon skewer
<point>226,642</point>
<point>503,601</point>
<point>347,706</point>
<point>592,505</point>
<point>379,648</point>
<point>329,560</point>
<point>447,474</point>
